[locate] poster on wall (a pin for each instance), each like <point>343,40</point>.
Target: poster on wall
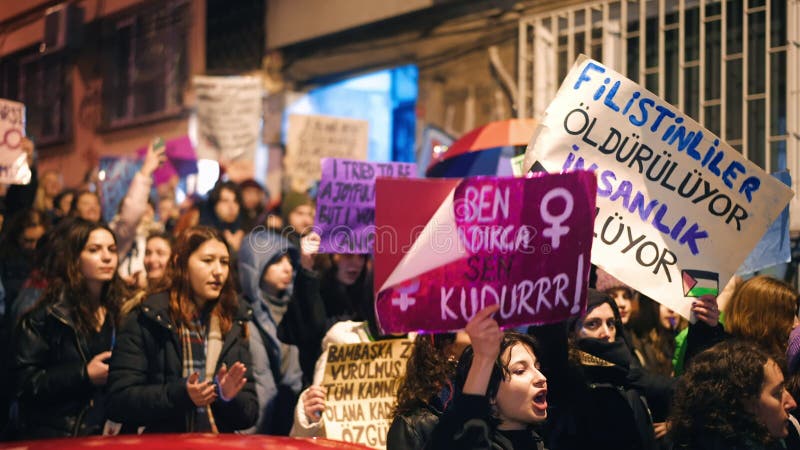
<point>13,159</point>
<point>361,382</point>
<point>228,117</point>
<point>678,210</point>
<point>311,138</point>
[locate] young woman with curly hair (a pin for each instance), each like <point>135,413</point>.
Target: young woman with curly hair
<point>62,344</point>
<point>426,389</point>
<point>182,356</point>
<point>732,397</point>
<point>763,310</point>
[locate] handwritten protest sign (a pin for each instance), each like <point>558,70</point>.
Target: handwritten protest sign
<point>311,138</point>
<point>522,243</point>
<point>678,209</point>
<point>117,176</point>
<point>228,117</point>
<point>345,217</point>
<point>362,381</point>
<point>13,160</point>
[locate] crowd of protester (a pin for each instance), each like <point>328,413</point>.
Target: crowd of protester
<point>216,316</point>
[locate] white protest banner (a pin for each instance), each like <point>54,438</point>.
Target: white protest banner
<point>13,160</point>
<point>311,138</point>
<point>678,210</point>
<point>362,381</point>
<point>228,117</point>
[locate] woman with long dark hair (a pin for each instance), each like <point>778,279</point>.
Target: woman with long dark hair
<point>426,389</point>
<point>182,356</point>
<point>62,344</point>
<point>501,392</point>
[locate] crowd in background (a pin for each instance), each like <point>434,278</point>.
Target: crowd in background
<point>213,315</point>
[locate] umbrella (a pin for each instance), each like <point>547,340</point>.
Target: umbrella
<point>483,151</point>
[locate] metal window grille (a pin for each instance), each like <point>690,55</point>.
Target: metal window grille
<point>146,63</point>
<point>726,63</point>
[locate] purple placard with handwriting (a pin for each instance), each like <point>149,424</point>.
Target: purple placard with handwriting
<point>524,243</point>
<point>345,217</point>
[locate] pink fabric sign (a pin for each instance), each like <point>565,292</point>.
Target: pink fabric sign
<point>523,243</point>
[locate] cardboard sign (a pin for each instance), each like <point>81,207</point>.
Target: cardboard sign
<point>311,138</point>
<point>677,208</point>
<point>13,160</point>
<point>228,117</point>
<point>522,243</point>
<point>345,217</point>
<point>362,381</point>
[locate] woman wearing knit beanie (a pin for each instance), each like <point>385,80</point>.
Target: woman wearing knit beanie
<point>297,211</point>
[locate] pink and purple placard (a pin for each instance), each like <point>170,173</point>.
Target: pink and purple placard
<point>345,218</point>
<point>523,243</point>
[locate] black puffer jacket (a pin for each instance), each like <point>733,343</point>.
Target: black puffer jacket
<point>146,384</point>
<point>53,387</point>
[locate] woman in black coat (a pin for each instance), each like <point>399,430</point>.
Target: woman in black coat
<point>62,344</point>
<point>501,393</point>
<point>425,390</point>
<point>182,356</point>
<point>599,394</point>
<point>341,291</point>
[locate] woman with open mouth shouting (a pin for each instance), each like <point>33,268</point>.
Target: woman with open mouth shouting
<point>501,394</point>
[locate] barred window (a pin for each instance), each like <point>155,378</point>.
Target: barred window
<point>723,62</point>
<point>146,63</point>
<point>43,83</point>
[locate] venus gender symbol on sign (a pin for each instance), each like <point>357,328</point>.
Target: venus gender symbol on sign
<point>556,230</point>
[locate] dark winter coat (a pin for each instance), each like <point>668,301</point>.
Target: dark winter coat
<point>276,367</point>
<point>599,397</point>
<point>466,425</point>
<point>146,383</point>
<point>412,430</point>
<point>318,302</point>
<point>52,384</point>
